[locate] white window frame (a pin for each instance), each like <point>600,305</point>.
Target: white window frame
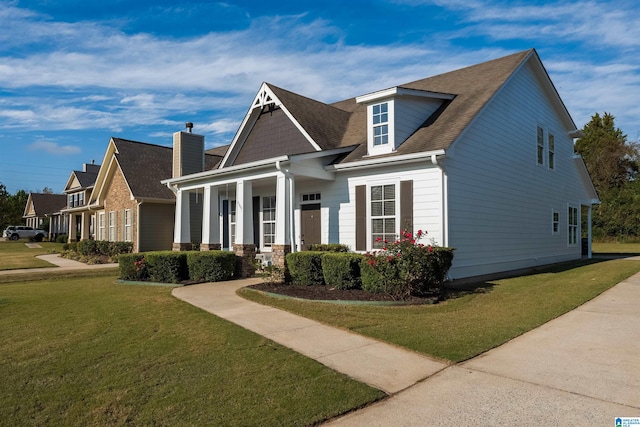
<point>389,235</point>
<point>232,221</point>
<point>555,222</point>
<point>377,121</point>
<point>268,238</point>
<point>573,225</point>
<point>540,146</point>
<point>551,151</point>
<point>101,227</point>
<point>127,230</point>
<point>112,226</point>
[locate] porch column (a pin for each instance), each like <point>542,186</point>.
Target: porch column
<point>84,230</point>
<point>182,228</point>
<point>244,246</point>
<point>72,228</point>
<point>210,222</point>
<point>284,220</point>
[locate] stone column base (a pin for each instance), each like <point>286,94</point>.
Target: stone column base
<point>278,255</point>
<point>210,246</point>
<point>182,246</point>
<point>247,254</point>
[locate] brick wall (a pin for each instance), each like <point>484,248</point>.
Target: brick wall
<point>118,199</point>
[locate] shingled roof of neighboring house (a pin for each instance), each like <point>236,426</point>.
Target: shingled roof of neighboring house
<point>44,204</point>
<point>86,179</point>
<point>145,165</point>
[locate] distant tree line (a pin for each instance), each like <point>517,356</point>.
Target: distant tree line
<point>613,163</point>
<point>11,207</point>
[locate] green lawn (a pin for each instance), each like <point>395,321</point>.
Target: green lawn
<point>616,248</point>
<point>16,255</point>
<point>88,351</point>
<point>472,323</point>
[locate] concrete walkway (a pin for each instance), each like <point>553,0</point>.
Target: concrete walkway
<point>383,366</point>
<point>582,368</point>
<point>61,264</point>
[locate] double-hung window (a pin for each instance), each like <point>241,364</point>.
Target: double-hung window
<point>540,146</point>
<point>113,226</point>
<point>101,232</point>
<point>573,226</point>
<point>381,124</point>
<point>555,226</point>
<point>268,221</point>
<point>128,225</point>
<point>383,214</point>
<point>551,151</point>
<point>232,221</point>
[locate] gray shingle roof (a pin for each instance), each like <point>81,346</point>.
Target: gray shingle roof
<point>344,123</point>
<point>44,204</point>
<point>145,165</point>
<point>86,179</point>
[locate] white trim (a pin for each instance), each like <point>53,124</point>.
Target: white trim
<point>380,161</point>
<point>401,91</point>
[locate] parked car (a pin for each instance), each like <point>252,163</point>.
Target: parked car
<point>15,232</point>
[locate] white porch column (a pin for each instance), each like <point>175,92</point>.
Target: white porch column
<point>283,210</point>
<point>210,222</point>
<point>72,227</point>
<point>244,213</point>
<point>182,228</point>
<point>84,227</point>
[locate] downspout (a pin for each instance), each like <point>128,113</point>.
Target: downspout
<point>292,234</point>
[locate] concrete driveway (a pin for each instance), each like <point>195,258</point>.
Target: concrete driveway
<point>582,368</point>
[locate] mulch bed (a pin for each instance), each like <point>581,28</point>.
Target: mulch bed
<point>332,294</point>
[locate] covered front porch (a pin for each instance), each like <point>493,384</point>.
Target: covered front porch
<point>251,209</point>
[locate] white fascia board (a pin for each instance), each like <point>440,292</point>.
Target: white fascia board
<point>586,178</point>
<point>401,91</point>
<point>406,158</point>
<point>224,171</point>
<point>300,157</point>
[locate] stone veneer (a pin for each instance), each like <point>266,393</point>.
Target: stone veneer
<point>118,199</point>
<point>278,255</point>
<point>181,246</point>
<point>247,255</point>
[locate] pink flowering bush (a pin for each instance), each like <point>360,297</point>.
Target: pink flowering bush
<point>406,267</point>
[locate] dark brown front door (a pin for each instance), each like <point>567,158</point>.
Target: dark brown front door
<point>310,219</point>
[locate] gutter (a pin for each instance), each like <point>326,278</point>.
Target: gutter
<point>380,161</point>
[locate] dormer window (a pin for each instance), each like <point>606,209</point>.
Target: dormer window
<point>381,124</point>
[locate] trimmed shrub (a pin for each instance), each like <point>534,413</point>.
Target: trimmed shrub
<point>330,247</point>
<point>73,246</point>
<point>117,248</point>
<point>305,268</point>
<point>62,238</point>
<point>167,266</point>
<point>211,266</point>
<point>87,247</point>
<point>133,267</point>
<point>342,270</point>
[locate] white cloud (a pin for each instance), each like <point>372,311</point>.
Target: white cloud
<point>54,148</point>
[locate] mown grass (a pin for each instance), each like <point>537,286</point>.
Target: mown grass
<point>16,255</point>
<point>472,322</point>
<point>615,248</point>
<point>89,351</point>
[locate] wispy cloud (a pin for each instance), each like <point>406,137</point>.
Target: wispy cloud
<point>54,148</point>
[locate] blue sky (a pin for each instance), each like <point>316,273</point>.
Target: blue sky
<point>75,73</point>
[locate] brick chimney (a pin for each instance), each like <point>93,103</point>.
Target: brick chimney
<point>188,153</point>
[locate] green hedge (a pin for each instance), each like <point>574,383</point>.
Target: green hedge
<point>330,247</point>
<point>167,266</point>
<point>305,268</point>
<point>103,247</point>
<point>133,267</point>
<point>211,266</point>
<point>176,267</point>
<point>342,270</point>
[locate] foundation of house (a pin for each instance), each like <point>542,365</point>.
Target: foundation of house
<point>182,246</point>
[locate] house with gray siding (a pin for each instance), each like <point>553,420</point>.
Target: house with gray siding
<point>481,158</point>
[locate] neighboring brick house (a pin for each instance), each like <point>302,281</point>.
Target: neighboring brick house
<point>41,206</point>
<point>129,202</point>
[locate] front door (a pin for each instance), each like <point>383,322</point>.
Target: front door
<point>310,220</point>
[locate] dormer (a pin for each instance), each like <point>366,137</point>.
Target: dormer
<point>396,113</point>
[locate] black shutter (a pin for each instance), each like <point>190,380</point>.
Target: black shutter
<point>406,206</point>
<point>361,217</point>
<point>256,221</point>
